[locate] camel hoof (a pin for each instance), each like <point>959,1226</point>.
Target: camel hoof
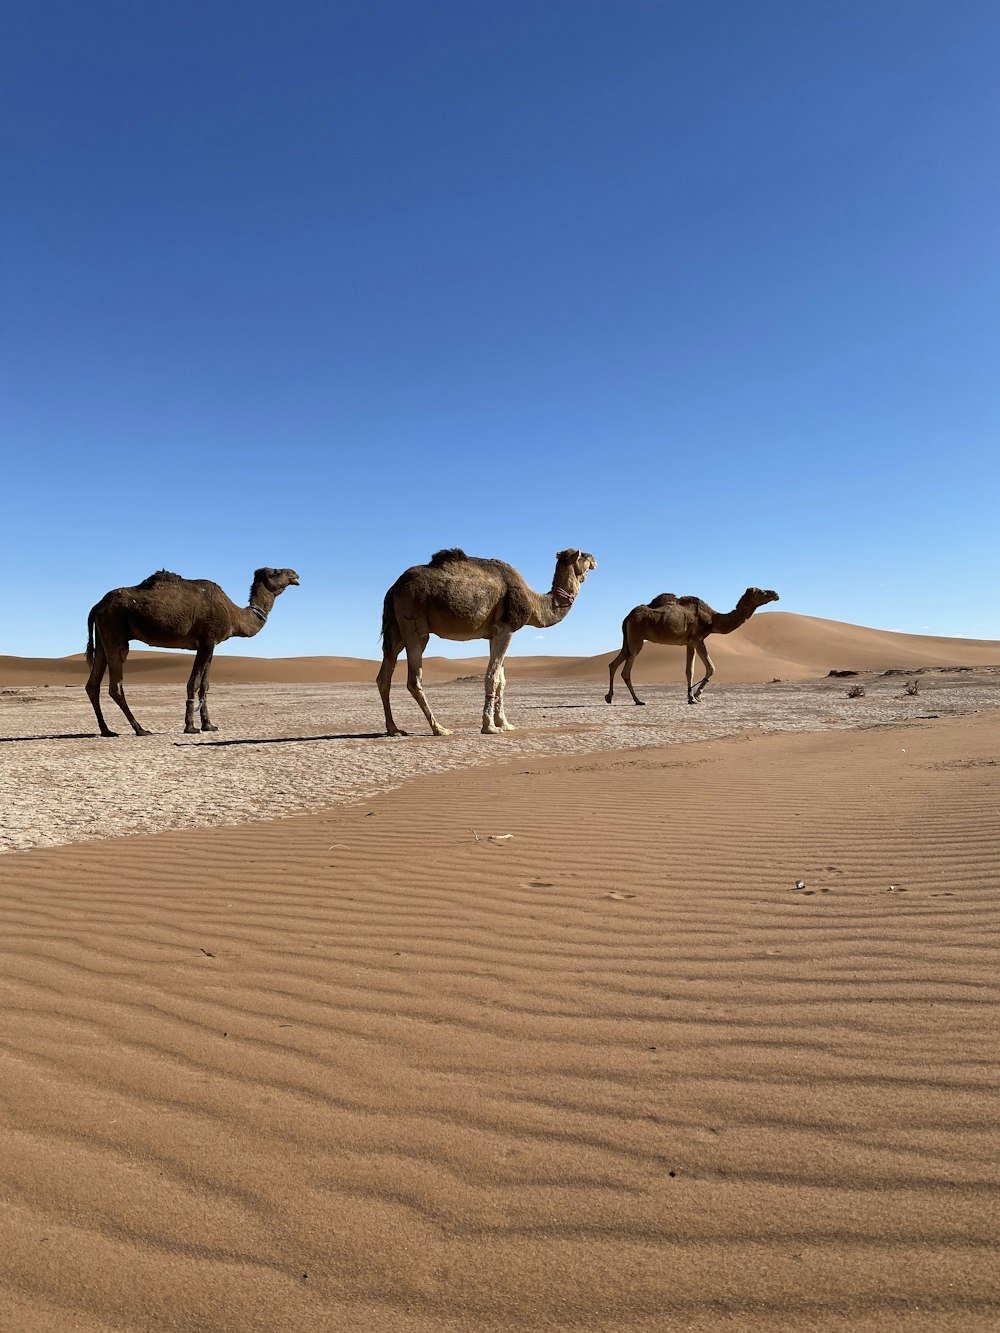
<point>491,731</point>
<point>207,726</point>
<point>693,701</point>
<point>609,698</point>
<point>639,703</point>
<point>397,731</point>
<point>441,731</point>
<point>507,726</point>
<point>191,730</point>
<point>109,733</point>
<point>143,732</point>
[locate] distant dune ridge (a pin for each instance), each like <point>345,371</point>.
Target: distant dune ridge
<point>771,644</point>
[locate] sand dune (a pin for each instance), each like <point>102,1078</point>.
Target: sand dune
<point>365,1069</point>
<point>794,647</point>
<point>771,644</point>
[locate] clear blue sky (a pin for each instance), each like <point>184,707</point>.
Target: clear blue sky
<point>708,289</point>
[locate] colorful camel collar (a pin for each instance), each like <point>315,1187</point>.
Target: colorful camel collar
<point>261,615</point>
<point>568,597</point>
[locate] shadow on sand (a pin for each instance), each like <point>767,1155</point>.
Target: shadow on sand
<point>55,736</point>
<point>546,708</point>
<point>287,740</point>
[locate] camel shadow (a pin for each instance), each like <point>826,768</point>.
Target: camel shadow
<point>285,740</point>
<point>54,736</point>
<point>550,708</point>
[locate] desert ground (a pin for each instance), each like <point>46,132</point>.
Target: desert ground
<point>635,1019</point>
<point>285,749</point>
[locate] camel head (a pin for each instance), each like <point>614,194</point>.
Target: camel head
<point>760,596</point>
<point>275,580</point>
<point>580,562</point>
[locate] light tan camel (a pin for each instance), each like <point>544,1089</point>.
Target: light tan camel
<point>681,622</point>
<point>166,611</point>
<point>460,597</point>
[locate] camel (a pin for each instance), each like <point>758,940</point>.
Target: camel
<point>680,621</point>
<point>166,611</point>
<point>460,597</point>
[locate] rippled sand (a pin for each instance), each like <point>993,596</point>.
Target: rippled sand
<point>371,1069</point>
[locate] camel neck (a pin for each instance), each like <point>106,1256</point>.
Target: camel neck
<point>253,617</point>
<point>725,622</point>
<point>553,606</point>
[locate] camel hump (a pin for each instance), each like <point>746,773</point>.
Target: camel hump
<point>440,558</point>
<point>664,599</point>
<point>158,579</point>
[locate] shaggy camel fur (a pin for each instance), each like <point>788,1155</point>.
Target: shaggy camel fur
<point>460,597</point>
<point>682,622</point>
<point>166,611</point>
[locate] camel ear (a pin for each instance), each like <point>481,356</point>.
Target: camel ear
<point>569,554</point>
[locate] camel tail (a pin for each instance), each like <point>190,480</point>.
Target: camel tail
<point>390,625</point>
<point>90,639</point>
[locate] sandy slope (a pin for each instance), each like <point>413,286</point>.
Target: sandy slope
<point>771,644</point>
<point>364,1070</point>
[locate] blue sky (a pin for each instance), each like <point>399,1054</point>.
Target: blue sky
<point>708,289</point>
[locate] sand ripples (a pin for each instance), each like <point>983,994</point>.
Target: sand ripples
<point>363,1070</point>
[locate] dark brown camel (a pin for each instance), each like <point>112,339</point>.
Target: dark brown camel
<point>166,611</point>
<point>682,622</point>
<point>458,596</point>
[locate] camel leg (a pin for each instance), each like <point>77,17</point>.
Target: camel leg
<point>630,657</point>
<point>689,672</point>
<point>390,656</point>
<point>499,643</point>
<point>414,683</point>
<point>116,670</point>
<point>199,682</point>
<point>499,716</point>
<point>702,652</point>
<point>192,707</point>
<point>97,670</point>
<point>612,668</point>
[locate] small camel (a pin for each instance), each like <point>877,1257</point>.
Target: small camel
<point>166,611</point>
<point>682,622</point>
<point>460,597</point>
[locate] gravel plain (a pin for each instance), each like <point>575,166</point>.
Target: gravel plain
<point>286,749</point>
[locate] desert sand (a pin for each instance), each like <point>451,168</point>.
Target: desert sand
<point>636,1020</point>
<point>285,749</point>
<point>372,1069</point>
